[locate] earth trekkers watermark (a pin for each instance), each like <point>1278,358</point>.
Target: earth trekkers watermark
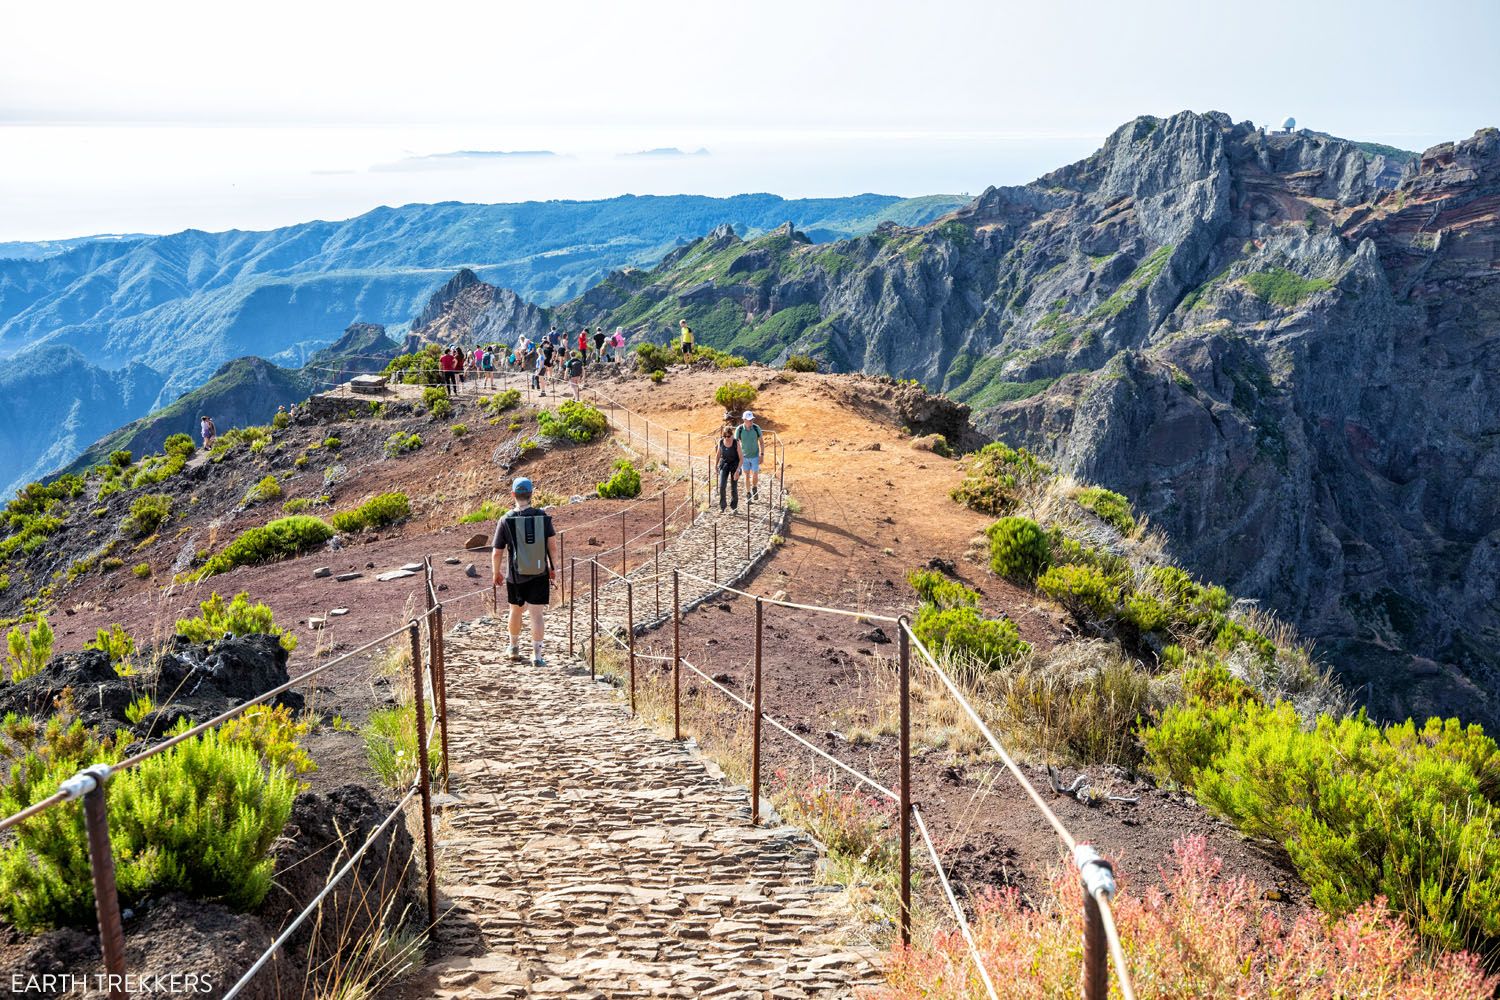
<point>147,984</point>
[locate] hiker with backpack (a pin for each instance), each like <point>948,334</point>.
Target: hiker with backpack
<point>599,346</point>
<point>208,430</point>
<point>446,366</point>
<point>583,345</point>
<point>543,363</point>
<point>747,436</point>
<point>727,461</point>
<point>487,364</point>
<point>575,372</point>
<point>459,366</point>
<point>523,559</point>
<point>687,340</point>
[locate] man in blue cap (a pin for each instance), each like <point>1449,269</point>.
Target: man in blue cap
<point>528,542</point>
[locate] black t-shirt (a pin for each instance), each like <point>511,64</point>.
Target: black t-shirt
<point>575,367</point>
<point>504,530</point>
<point>729,457</point>
<point>547,350</point>
<point>598,340</point>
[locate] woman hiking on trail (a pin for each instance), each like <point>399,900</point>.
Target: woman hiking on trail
<point>727,453</point>
<point>210,433</point>
<point>583,345</point>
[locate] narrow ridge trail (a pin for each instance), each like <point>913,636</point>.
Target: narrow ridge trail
<point>587,856</point>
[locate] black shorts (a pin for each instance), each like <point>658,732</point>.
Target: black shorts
<point>535,591</point>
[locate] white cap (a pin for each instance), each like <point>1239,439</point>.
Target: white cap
<point>749,415</point>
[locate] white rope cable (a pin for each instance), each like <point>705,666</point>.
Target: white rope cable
<point>866,615</point>
<point>1116,946</point>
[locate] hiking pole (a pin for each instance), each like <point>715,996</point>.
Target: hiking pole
<point>423,776</point>
<point>676,658</point>
<point>755,723</point>
<point>630,637</point>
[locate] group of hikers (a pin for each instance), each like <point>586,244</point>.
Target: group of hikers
<point>547,358</point>
<point>525,553</point>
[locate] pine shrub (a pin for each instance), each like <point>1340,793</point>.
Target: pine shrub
<point>1019,549</point>
<point>1086,593</point>
<point>282,538</point>
<point>239,617</point>
<point>147,512</point>
<point>997,478</point>
<point>574,420</point>
<point>625,484</point>
<point>990,643</point>
<point>801,363</point>
<point>500,402</point>
<point>265,491</point>
<point>436,401</point>
<point>1112,508</point>
<point>735,397</point>
<point>399,444</point>
<point>114,642</point>
<point>28,651</point>
<point>936,589</point>
<point>377,512</point>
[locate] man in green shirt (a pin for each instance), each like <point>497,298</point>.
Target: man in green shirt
<point>748,437</point>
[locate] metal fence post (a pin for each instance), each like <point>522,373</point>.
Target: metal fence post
<point>425,778</point>
<point>440,687</point>
<point>747,528</point>
<point>676,659</point>
<point>102,867</point>
<point>572,598</point>
<point>716,552</point>
<point>905,781</point>
<point>593,616</point>
<point>1095,951</point>
<point>623,543</point>
<point>562,547</point>
<point>755,722</point>
<point>656,575</point>
<point>664,517</point>
<point>630,637</point>
<point>692,477</point>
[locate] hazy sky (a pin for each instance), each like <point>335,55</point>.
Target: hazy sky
<point>156,116</point>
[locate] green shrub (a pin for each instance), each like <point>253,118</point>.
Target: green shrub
<point>653,358</point>
<point>141,570</point>
<point>29,533</point>
<point>266,490</point>
<point>110,563</point>
<point>1084,716</point>
<point>488,511</point>
<point>28,651</point>
<point>333,443</point>
<point>283,538</point>
<point>296,505</point>
<point>1019,548</point>
<point>1283,288</point>
<point>121,458</point>
<point>1400,811</point>
<point>227,807</point>
<point>114,642</point>
<point>625,484</point>
<point>1112,508</point>
<point>281,420</point>
<point>1084,591</point>
<point>419,368</point>
<point>497,404</point>
<point>300,462</point>
<point>238,617</point>
<point>459,430</point>
<point>987,642</point>
<point>147,512</point>
<point>139,709</point>
<point>377,512</point>
<point>998,477</point>
<point>657,378</point>
<point>399,444</point>
<point>434,397</point>
<point>574,420</point>
<point>801,363</point>
<point>391,745</point>
<point>735,397</point>
<point>934,588</point>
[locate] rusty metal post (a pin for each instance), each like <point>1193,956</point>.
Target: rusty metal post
<point>593,617</point>
<point>572,598</point>
<point>630,637</point>
<point>905,778</point>
<point>755,722</point>
<point>1095,951</point>
<point>716,552</point>
<point>747,529</point>
<point>440,688</point>
<point>664,517</point>
<point>648,440</point>
<point>627,426</point>
<point>656,575</point>
<point>676,659</point>
<point>562,547</point>
<point>623,543</point>
<point>692,476</point>
<point>425,779</point>
<point>667,450</point>
<point>102,866</point>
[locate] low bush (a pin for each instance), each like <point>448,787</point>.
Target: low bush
<point>1086,593</point>
<point>418,368</point>
<point>238,617</point>
<point>1019,548</point>
<point>296,505</point>
<point>121,458</point>
<point>497,404</point>
<point>1204,934</point>
<point>400,444</point>
<point>800,363</point>
<point>459,430</point>
<point>990,643</point>
<point>1404,812</point>
<point>1082,706</point>
<point>657,378</point>
<point>651,358</point>
<point>139,708</point>
<point>29,533</point>
<point>282,538</point>
<point>265,491</point>
<point>226,803</point>
<point>1110,507</point>
<point>147,512</point>
<point>574,420</point>
<point>391,745</point>
<point>28,651</point>
<point>377,512</point>
<point>333,443</point>
<point>936,589</point>
<point>625,484</point>
<point>436,401</point>
<point>281,420</point>
<point>998,478</point>
<point>487,511</point>
<point>141,570</point>
<point>735,397</point>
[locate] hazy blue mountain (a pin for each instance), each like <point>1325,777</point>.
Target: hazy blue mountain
<point>38,249</point>
<point>185,304</point>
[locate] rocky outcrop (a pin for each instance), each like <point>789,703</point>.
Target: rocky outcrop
<point>468,311</point>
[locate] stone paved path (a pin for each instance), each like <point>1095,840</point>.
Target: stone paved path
<point>588,856</point>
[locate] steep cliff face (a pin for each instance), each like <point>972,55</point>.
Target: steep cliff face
<point>1284,348</point>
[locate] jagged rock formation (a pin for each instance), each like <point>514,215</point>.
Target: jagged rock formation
<point>1280,349</point>
<point>472,311</point>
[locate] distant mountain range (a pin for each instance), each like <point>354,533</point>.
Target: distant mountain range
<point>100,332</point>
